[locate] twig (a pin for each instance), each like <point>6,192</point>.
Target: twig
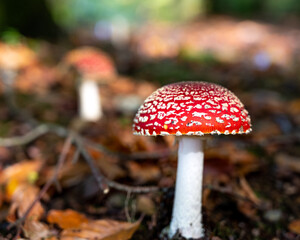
<point>131,156</point>
<point>24,139</point>
<point>127,207</point>
<point>45,188</point>
<point>228,191</point>
<point>63,132</point>
<point>99,177</point>
<point>103,182</point>
<point>80,142</point>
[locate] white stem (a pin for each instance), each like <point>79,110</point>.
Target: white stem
<point>90,102</point>
<point>187,216</point>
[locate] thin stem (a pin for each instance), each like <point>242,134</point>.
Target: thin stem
<point>187,216</point>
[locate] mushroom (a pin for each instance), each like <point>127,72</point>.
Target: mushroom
<point>189,110</point>
<point>13,59</point>
<point>93,65</point>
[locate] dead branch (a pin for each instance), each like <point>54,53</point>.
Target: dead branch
<point>45,188</point>
<point>228,191</point>
<point>103,182</point>
<point>25,139</point>
<point>63,132</point>
<point>80,143</point>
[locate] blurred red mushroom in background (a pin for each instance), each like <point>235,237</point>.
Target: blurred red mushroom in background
<point>13,59</point>
<point>93,66</point>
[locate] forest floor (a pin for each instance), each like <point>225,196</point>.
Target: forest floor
<point>251,182</point>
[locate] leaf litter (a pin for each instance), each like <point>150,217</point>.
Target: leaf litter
<point>251,183</point>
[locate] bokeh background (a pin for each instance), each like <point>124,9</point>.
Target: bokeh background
<point>251,47</point>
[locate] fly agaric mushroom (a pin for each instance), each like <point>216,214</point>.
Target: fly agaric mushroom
<point>189,110</point>
<point>93,65</point>
<point>13,59</point>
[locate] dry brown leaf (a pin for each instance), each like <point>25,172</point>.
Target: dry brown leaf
<point>294,106</point>
<point>143,173</point>
<point>10,188</point>
<point>294,109</point>
<point>145,204</point>
<point>109,169</point>
<point>22,198</point>
<point>77,225</point>
<point>36,79</point>
<point>66,219</point>
<point>123,85</point>
<point>294,226</point>
<point>232,159</point>
<point>266,130</point>
<point>288,162</point>
<point>249,193</point>
<point>20,171</point>
<point>246,207</point>
<point>102,230</point>
<point>35,230</point>
<point>71,174</point>
<point>107,165</point>
<point>5,153</point>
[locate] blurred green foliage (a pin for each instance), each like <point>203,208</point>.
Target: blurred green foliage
<point>71,13</point>
<point>11,36</point>
<point>46,18</point>
<point>268,9</point>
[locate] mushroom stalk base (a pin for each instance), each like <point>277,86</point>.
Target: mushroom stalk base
<point>90,103</point>
<point>187,216</point>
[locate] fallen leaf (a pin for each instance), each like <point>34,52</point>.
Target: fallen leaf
<point>294,226</point>
<point>72,174</point>
<point>66,219</point>
<point>35,230</point>
<point>10,188</point>
<point>20,171</point>
<point>243,189</point>
<point>266,130</point>
<point>108,165</point>
<point>234,160</point>
<point>249,193</point>
<point>29,80</point>
<point>102,230</point>
<point>77,225</point>
<point>5,154</point>
<point>145,204</point>
<point>143,173</point>
<point>247,209</point>
<point>288,162</point>
<point>22,198</point>
<point>294,106</point>
<point>123,85</point>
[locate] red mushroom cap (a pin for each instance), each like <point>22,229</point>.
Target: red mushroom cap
<point>91,62</point>
<point>191,108</point>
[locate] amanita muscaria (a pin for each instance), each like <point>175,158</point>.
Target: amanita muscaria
<point>190,110</point>
<point>93,66</point>
<point>13,59</point>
